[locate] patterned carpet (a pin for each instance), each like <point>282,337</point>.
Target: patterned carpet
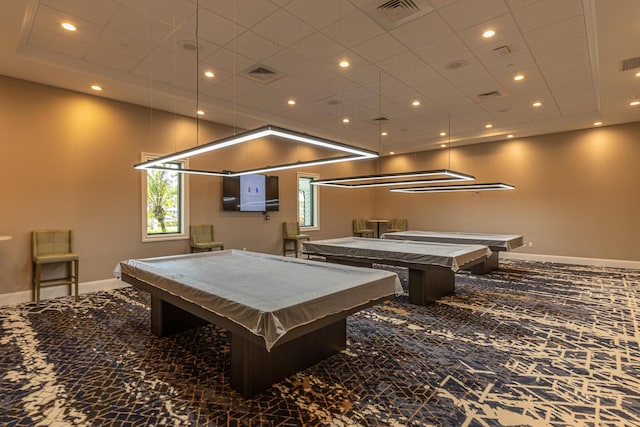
<point>532,344</point>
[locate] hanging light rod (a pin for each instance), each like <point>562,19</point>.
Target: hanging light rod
<point>353,153</point>
<point>389,179</point>
<point>455,188</point>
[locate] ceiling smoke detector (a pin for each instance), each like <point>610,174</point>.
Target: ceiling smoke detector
<point>456,64</point>
<point>188,46</point>
<point>390,14</point>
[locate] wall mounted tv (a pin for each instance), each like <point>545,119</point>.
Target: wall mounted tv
<point>250,193</point>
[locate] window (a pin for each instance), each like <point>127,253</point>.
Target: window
<point>163,203</point>
<point>308,204</point>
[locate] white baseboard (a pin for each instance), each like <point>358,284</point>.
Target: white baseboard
<point>60,291</point>
<point>594,262</point>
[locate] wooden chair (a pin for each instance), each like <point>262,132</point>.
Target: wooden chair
<point>291,233</point>
<point>396,225</point>
<point>53,247</point>
<point>360,228</point>
<point>202,238</point>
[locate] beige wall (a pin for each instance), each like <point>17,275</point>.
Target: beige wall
<point>576,192</point>
<point>66,162</point>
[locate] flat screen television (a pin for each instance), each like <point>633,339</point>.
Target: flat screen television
<point>250,193</point>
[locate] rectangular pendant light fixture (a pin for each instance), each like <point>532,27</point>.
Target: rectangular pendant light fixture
<point>390,179</point>
<point>353,153</point>
<point>456,188</point>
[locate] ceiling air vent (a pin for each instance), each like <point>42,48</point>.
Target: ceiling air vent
<point>390,14</point>
<point>262,73</point>
<point>489,95</point>
<point>630,64</point>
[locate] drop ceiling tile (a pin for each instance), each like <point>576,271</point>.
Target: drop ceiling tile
<point>98,11</point>
<point>254,46</point>
<point>317,47</point>
<point>422,30</point>
<point>319,14</point>
<point>379,48</point>
<point>363,75</point>
<point>505,78</point>
<point>537,14</point>
<point>504,26</point>
<point>111,60</point>
<point>212,27</point>
<point>447,47</point>
<point>353,29</point>
<point>228,60</point>
<point>495,58</point>
<point>49,20</point>
<point>171,12</point>
<point>560,51</point>
<point>58,43</point>
<point>283,28</point>
<point>467,13</point>
<point>407,67</point>
<point>182,42</point>
<point>544,37</point>
<point>152,72</point>
<point>221,93</point>
<point>135,24</point>
<point>246,13</point>
<point>569,64</point>
<point>519,4</point>
<point>123,44</point>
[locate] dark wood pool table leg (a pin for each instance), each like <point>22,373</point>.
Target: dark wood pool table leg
<point>428,285</point>
<point>167,319</point>
<point>254,369</point>
<point>490,264</point>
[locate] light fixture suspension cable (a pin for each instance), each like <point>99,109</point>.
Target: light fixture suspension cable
<point>197,74</point>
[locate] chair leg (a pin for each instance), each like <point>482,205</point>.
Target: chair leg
<point>296,246</point>
<point>37,283</point>
<point>76,277</point>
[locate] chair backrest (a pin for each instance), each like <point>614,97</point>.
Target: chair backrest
<point>47,242</point>
<point>399,224</point>
<point>359,224</point>
<point>201,233</point>
<point>290,229</point>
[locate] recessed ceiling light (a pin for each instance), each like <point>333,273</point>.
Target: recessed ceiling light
<point>346,120</point>
<point>537,104</point>
<point>510,136</point>
<point>384,134</point>
<point>96,87</point>
<point>634,103</point>
<point>488,33</point>
<point>518,77</point>
<point>443,145</point>
<point>209,74</point>
<point>68,26</point>
<point>392,152</point>
<point>415,103</point>
<point>488,125</point>
<point>344,63</point>
<point>200,113</point>
<point>638,74</point>
<point>291,102</point>
<point>443,134</point>
<point>597,123</point>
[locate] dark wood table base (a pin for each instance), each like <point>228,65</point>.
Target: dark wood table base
<point>426,283</point>
<point>253,368</point>
<point>490,264</point>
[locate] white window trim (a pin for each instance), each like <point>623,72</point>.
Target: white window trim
<point>316,205</point>
<point>185,205</point>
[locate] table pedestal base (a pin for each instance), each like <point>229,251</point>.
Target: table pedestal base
<point>487,266</point>
<point>253,368</point>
